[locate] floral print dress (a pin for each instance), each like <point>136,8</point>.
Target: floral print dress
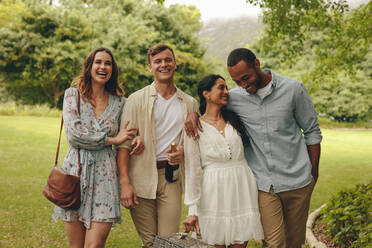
<point>100,192</point>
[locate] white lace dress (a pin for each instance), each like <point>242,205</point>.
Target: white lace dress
<point>220,188</point>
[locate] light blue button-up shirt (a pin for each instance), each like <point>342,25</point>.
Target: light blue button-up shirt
<point>279,126</point>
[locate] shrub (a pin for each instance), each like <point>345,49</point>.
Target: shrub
<point>11,108</point>
<point>348,217</point>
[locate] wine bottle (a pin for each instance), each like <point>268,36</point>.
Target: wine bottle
<point>171,171</point>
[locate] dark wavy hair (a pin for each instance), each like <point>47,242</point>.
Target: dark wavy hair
<point>206,84</point>
<point>84,81</point>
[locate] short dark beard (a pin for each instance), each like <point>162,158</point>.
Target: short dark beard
<point>259,80</point>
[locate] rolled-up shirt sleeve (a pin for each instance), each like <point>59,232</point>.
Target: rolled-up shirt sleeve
<point>306,116</point>
<point>77,135</point>
<point>129,114</point>
<point>195,106</point>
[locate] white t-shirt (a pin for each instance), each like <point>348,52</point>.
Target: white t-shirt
<point>265,90</point>
<point>168,124</point>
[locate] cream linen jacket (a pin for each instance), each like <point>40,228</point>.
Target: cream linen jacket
<point>139,110</point>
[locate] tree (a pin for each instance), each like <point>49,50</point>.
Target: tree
<point>326,45</point>
<point>10,12</point>
<point>345,34</point>
<point>42,52</point>
<point>347,100</point>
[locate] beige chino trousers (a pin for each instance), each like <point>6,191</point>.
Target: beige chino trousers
<point>160,216</point>
<point>284,216</point>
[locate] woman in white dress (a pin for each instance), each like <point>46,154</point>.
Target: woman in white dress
<point>221,190</point>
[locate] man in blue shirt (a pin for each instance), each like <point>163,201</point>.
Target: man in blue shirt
<point>284,147</point>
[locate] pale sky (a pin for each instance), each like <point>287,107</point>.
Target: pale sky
<point>211,9</point>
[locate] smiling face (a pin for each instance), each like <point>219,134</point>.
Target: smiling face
<point>246,76</point>
<point>163,66</point>
<point>101,68</point>
<point>218,94</point>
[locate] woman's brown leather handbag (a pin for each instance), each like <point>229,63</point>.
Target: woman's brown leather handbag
<point>63,189</point>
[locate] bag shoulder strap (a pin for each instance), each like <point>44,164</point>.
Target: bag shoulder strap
<point>59,139</point>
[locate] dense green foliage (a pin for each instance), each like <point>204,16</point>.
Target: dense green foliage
<point>326,45</point>
<point>348,217</point>
<point>344,34</point>
<point>42,47</point>
<point>42,52</point>
<point>323,43</point>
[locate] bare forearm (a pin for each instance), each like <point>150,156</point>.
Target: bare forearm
<point>128,196</point>
<point>110,141</point>
<point>123,165</point>
<point>314,155</point>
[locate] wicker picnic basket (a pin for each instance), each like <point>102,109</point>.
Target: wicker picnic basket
<point>179,240</point>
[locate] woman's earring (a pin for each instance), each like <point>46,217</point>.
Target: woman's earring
<point>208,99</point>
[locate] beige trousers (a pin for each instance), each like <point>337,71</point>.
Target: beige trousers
<point>284,216</point>
<point>160,216</point>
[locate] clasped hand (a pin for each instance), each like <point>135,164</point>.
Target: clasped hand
<point>129,133</point>
<point>125,133</point>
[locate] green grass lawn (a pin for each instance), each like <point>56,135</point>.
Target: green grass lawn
<point>27,150</point>
<point>346,160</point>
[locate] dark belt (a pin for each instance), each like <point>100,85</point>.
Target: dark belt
<point>161,164</point>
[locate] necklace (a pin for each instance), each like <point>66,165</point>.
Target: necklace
<point>210,119</point>
<point>214,123</point>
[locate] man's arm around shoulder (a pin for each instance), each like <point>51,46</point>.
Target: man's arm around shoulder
<point>192,123</point>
